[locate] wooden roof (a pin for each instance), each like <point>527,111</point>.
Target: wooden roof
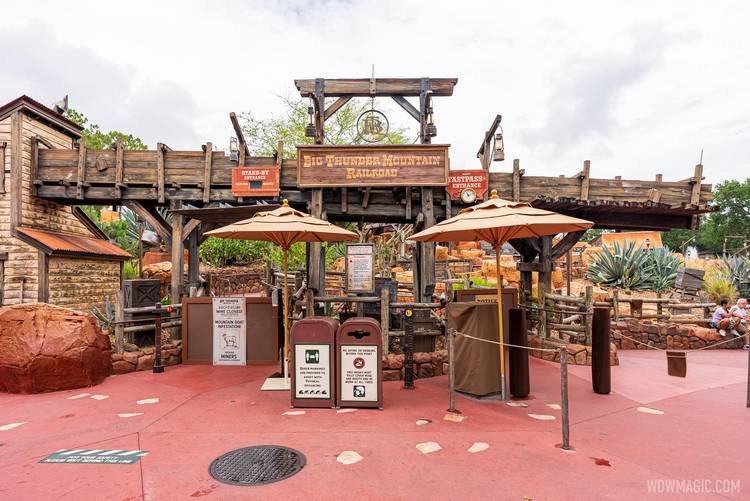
<point>225,215</point>
<point>43,114</point>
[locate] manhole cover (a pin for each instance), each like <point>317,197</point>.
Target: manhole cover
<point>257,465</point>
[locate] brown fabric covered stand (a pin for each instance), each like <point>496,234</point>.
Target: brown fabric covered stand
<point>477,370</point>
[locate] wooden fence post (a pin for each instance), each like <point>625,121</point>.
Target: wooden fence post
<point>309,303</point>
<point>616,304</point>
<point>542,303</point>
<point>385,317</point>
<point>588,306</point>
<point>119,317</point>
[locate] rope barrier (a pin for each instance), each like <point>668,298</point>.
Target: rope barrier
<point>508,344</point>
<point>548,310</point>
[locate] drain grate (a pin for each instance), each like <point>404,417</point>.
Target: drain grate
<point>257,465</point>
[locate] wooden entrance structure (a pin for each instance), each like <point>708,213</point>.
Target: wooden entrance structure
<point>144,180</point>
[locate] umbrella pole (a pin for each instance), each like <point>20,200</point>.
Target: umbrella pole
<point>500,323</point>
<point>285,354</point>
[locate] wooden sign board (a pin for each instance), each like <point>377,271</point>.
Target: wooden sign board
<point>360,268</point>
<point>460,180</point>
<point>256,181</point>
<point>374,165</point>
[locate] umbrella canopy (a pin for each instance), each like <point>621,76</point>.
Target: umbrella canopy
<point>283,226</point>
<point>496,221</point>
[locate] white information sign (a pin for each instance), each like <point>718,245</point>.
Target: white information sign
<point>360,268</point>
<point>312,371</point>
<point>359,366</point>
<point>229,331</point>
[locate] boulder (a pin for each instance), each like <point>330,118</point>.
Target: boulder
<point>425,371</point>
<point>391,375</point>
<point>122,367</point>
<point>146,362</point>
<point>394,361</point>
<point>48,348</point>
<point>422,358</point>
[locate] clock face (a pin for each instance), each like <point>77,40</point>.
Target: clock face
<point>468,196</point>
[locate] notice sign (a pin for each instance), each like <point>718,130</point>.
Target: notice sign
<point>461,180</point>
<point>255,181</point>
<point>359,367</point>
<point>312,371</point>
<point>360,268</point>
<point>95,456</point>
<point>229,331</point>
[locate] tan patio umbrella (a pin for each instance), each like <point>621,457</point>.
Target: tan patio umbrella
<point>284,226</point>
<point>496,221</point>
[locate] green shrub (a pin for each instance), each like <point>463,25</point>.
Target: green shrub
<point>716,288</point>
<point>220,252</point>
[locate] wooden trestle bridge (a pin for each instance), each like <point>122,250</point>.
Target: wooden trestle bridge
<point>145,180</point>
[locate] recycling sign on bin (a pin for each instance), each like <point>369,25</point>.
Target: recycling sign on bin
<point>312,370</point>
<point>359,365</point>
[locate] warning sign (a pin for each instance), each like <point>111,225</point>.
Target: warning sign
<point>229,331</point>
<point>359,365</point>
<point>312,371</point>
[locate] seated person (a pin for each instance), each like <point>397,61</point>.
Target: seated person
<point>739,313</point>
<point>722,320</point>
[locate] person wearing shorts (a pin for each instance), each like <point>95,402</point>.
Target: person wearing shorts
<point>739,313</point>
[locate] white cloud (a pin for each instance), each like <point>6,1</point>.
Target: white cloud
<point>636,87</point>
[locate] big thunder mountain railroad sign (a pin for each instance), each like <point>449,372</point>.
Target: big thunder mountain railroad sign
<point>320,166</point>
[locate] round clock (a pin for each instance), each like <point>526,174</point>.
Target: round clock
<point>468,196</point>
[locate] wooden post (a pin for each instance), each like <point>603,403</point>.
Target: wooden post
<point>177,258</point>
<point>659,307</point>
<point>119,161</point>
<point>34,164</point>
<point>316,276</point>
<point>569,270</point>
<point>194,275</point>
<point>160,179</point>
<point>385,317</point>
<point>207,173</point>
<point>427,254</point>
<point>585,179</point>
<point>43,277</point>
<point>119,317</point>
<point>16,174</point>
<point>616,304</point>
<point>309,303</point>
<point>545,263</point>
<point>516,180</point>
<point>695,195</point>
<point>588,305</point>
<point>81,179</point>
<point>407,199</point>
<point>542,303</point>
<point>3,145</point>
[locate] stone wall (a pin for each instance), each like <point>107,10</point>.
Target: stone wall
<point>82,283</point>
<point>666,336</point>
<point>425,365</point>
<point>142,359</point>
<point>578,354</point>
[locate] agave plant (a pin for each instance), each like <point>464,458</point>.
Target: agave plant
<point>634,268</point>
<point>735,269</point>
<point>105,316</point>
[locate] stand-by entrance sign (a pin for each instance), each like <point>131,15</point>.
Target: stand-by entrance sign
<point>256,181</point>
<point>229,331</point>
<point>389,165</point>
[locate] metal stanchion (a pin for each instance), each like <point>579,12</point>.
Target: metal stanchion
<point>158,367</point>
<point>408,349</point>
<point>564,399</point>
<point>451,372</point>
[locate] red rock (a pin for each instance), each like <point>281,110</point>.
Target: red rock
<point>425,371</point>
<point>48,348</point>
<point>437,368</point>
<point>146,362</point>
<point>394,361</point>
<point>391,375</point>
<point>580,357</point>
<point>421,358</point>
<point>116,357</point>
<point>122,367</point>
<point>132,356</point>
<point>627,344</point>
<point>148,350</point>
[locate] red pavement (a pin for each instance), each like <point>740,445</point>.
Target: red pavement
<point>203,412</point>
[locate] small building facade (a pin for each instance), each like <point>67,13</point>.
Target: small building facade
<point>48,252</point>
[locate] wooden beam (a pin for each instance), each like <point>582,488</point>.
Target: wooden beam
<point>42,277</point>
<point>160,226</point>
<point>207,173</point>
<point>517,173</point>
<point>16,171</point>
<point>566,243</point>
<point>240,135</point>
<point>177,253</point>
<point>318,98</point>
<point>545,271</point>
<point>194,274</point>
<point>160,172</point>
<point>407,195</point>
<point>119,159</point>
<point>585,179</point>
<point>3,145</point>
<point>659,178</point>
<point>407,106</point>
<point>344,200</point>
<point>34,164</point>
<point>336,106</point>
<point>427,250</point>
<point>653,195</point>
<point>81,178</point>
<point>360,87</point>
<point>189,228</point>
<point>316,276</point>
<point>695,195</point>
<point>366,198</point>
<point>484,154</point>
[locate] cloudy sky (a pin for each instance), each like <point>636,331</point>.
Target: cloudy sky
<point>638,88</point>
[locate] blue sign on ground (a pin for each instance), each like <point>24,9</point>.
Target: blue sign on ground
<point>94,456</point>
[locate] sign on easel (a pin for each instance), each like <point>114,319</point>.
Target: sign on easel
<point>360,268</point>
<point>229,331</point>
